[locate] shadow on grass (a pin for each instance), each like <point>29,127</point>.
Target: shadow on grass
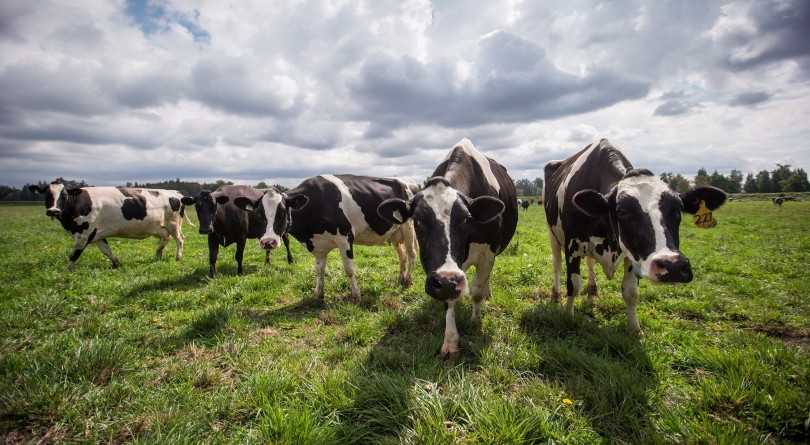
<point>605,369</point>
<point>203,329</point>
<point>405,357</point>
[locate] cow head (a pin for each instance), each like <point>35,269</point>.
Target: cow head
<point>273,210</point>
<point>54,197</point>
<point>645,215</point>
<point>206,205</point>
<point>443,218</point>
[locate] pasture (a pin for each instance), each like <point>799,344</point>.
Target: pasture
<point>156,352</point>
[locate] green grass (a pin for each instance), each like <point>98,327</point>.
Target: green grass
<point>156,352</point>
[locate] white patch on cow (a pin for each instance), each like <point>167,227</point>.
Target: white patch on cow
<point>441,198</point>
<point>480,159</point>
<point>648,190</point>
<point>56,191</point>
<point>270,202</point>
<point>363,234</point>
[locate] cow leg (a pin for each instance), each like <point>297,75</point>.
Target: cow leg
<point>104,247</point>
<point>347,253</point>
<point>556,262</point>
<point>592,289</point>
<point>480,288</point>
<point>410,246</point>
<point>630,295</point>
<point>80,242</point>
<point>403,258</point>
<point>179,239</point>
<point>240,252</point>
<point>163,241</point>
<point>573,281</point>
<point>320,270</point>
<point>286,239</point>
<point>450,349</point>
<point>213,251</point>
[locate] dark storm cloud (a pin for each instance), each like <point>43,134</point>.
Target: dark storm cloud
<point>674,107</point>
<point>782,32</point>
<point>750,98</point>
<point>513,82</point>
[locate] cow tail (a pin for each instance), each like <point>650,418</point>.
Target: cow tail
<point>183,214</point>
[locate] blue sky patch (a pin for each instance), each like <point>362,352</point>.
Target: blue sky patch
<point>152,16</point>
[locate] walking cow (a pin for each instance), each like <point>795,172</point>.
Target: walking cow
<point>93,214</point>
<point>225,224</point>
<point>599,207</point>
<point>336,212</point>
<point>465,216</point>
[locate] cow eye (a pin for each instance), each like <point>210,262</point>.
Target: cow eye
<point>623,213</point>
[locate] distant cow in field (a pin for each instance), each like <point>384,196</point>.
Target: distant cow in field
<point>93,214</point>
<point>525,204</point>
<point>336,212</point>
<point>225,223</point>
<point>465,216</point>
<point>599,207</point>
<point>778,200</point>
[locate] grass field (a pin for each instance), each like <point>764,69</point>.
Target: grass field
<point>156,352</point>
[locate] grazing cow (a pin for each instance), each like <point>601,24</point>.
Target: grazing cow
<point>225,223</point>
<point>465,216</point>
<point>778,200</point>
<point>525,204</point>
<point>93,214</point>
<point>599,207</point>
<point>336,212</point>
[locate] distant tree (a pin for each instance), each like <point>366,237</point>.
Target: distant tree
<point>764,184</point>
<point>750,185</point>
<point>796,182</point>
<point>675,182</point>
<point>781,173</point>
<point>524,187</point>
<point>718,180</point>
<point>280,188</point>
<point>538,186</point>
<point>735,179</point>
<point>262,185</point>
<point>702,177</point>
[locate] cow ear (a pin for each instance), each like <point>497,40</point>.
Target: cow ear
<point>34,189</point>
<point>395,210</point>
<point>187,200</point>
<point>74,192</point>
<point>297,202</point>
<point>222,199</point>
<point>591,202</point>
<point>245,203</point>
<point>712,196</point>
<point>485,208</point>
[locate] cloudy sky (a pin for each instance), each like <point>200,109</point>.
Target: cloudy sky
<point>278,91</point>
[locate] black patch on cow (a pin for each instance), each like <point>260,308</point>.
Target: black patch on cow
<point>369,194</point>
<point>175,204</point>
<point>638,172</point>
<point>134,205</point>
<point>76,254</point>
<point>74,206</point>
<point>92,235</point>
<point>635,228</point>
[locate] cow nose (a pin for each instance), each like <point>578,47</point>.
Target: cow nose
<point>674,271</point>
<point>53,212</point>
<point>206,230</point>
<point>445,285</point>
<point>269,243</point>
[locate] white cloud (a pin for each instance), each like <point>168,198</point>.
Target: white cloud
<point>279,91</point>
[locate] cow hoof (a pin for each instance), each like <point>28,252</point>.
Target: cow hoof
<point>450,355</point>
<point>555,296</point>
<point>592,291</point>
<point>476,323</point>
<point>117,264</point>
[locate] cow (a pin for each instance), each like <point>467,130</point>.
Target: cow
<point>599,207</point>
<point>225,223</point>
<point>94,214</point>
<point>525,204</point>
<point>329,212</point>
<point>465,216</point>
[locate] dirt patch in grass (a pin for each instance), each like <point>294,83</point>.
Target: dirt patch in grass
<point>798,338</point>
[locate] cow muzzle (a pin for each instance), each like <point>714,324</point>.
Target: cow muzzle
<point>269,243</point>
<point>671,269</point>
<point>206,230</point>
<point>53,212</point>
<point>446,285</point>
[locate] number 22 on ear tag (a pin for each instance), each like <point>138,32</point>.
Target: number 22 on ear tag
<point>703,217</point>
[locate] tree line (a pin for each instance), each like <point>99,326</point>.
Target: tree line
<point>782,179</point>
<point>187,188</point>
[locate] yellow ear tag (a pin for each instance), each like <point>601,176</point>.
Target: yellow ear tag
<point>703,217</point>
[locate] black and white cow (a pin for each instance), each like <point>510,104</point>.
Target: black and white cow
<point>225,223</point>
<point>336,212</point>
<point>525,204</point>
<point>465,216</point>
<point>93,214</point>
<point>600,208</point>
